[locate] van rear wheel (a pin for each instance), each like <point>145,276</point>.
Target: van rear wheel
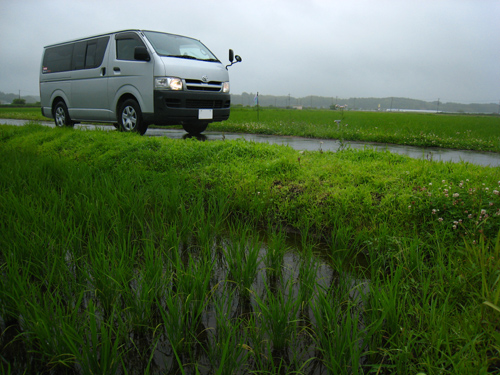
<point>61,115</point>
<point>195,128</point>
<point>130,117</point>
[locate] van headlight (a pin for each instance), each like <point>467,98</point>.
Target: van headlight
<point>168,83</point>
<point>225,87</point>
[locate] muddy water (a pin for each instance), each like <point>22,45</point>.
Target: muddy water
<point>299,143</point>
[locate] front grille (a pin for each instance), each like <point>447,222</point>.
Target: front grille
<point>192,103</point>
<point>173,103</point>
<point>197,103</point>
<point>197,85</point>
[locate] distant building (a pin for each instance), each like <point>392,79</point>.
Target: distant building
<point>413,110</point>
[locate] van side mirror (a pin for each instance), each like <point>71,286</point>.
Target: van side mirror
<point>141,54</point>
<point>232,57</point>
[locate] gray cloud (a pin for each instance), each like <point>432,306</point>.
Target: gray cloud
<point>425,49</point>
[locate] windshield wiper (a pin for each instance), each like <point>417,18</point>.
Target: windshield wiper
<point>184,57</point>
<point>193,58</point>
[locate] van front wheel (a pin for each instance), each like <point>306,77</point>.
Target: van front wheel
<point>130,117</point>
<point>61,115</point>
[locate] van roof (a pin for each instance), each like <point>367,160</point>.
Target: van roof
<point>110,33</point>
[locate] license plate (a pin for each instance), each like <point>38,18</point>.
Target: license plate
<point>205,114</point>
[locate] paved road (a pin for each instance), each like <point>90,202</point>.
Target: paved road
<point>299,143</point>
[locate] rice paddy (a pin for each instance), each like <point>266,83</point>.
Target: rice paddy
<point>122,254</point>
<point>454,131</point>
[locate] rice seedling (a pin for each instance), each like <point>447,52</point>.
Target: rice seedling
<point>242,257</point>
<point>339,331</point>
<point>175,321</point>
<point>103,349</point>
<point>109,275</point>
<point>144,290</point>
<point>308,270</point>
<point>228,351</point>
<point>276,248</point>
<point>278,314</point>
<point>16,276</point>
<point>45,323</point>
<point>184,304</point>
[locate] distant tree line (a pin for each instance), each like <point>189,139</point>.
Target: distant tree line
<point>321,102</point>
<point>361,104</point>
<point>17,100</point>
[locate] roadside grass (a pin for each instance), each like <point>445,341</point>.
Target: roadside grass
<point>127,254</point>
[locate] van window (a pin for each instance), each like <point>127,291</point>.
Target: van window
<point>57,59</point>
<point>75,56</point>
<point>79,55</point>
<point>125,46</point>
<point>102,44</point>
<point>90,57</point>
<point>95,52</point>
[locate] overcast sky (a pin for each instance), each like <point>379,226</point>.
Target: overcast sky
<point>421,49</point>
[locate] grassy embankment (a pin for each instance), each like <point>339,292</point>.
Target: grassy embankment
<point>466,132</point>
<point>128,254</point>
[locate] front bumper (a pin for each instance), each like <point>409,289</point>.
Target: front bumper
<point>181,107</point>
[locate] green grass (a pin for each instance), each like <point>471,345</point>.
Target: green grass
<point>23,113</point>
<point>470,132</point>
<point>454,131</point>
<point>128,254</point>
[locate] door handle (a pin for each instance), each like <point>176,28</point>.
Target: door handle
<point>103,72</point>
<point>116,69</point>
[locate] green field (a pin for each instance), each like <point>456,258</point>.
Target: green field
<point>123,254</point>
<point>466,132</point>
<point>22,113</point>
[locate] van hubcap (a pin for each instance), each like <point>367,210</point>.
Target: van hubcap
<point>60,116</point>
<point>129,118</point>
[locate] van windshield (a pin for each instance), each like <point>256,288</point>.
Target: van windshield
<point>179,46</point>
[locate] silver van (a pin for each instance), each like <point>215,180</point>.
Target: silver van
<point>134,78</point>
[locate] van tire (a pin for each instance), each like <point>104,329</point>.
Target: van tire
<point>195,128</point>
<point>130,117</point>
<point>61,115</point>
